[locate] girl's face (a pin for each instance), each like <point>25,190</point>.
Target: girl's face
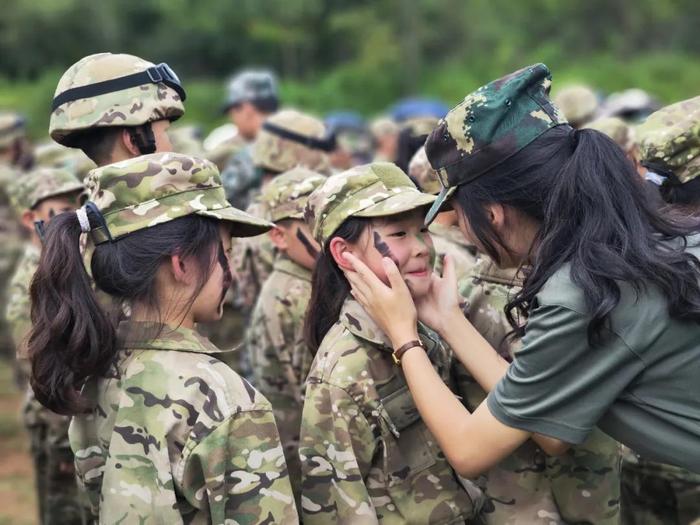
<point>209,304</point>
<point>405,240</point>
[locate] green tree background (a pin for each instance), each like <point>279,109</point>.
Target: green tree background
<point>360,54</point>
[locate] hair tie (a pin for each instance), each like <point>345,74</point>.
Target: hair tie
<point>83,219</point>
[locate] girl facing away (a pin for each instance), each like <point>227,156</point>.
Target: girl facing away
<point>366,455</point>
<point>162,431</point>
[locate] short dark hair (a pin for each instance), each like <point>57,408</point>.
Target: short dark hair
<point>96,143</point>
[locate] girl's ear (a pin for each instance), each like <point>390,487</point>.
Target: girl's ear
<point>28,220</point>
<point>497,216</point>
<point>181,269</point>
<point>128,143</point>
<point>278,238</point>
<point>338,247</point>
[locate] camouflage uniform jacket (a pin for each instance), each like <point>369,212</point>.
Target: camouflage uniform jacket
<point>177,437</point>
<point>279,357</point>
<point>18,307</point>
<point>581,486</point>
<point>448,240</point>
<point>366,455</point>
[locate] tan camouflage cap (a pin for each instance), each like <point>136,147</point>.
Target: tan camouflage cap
<point>142,192</point>
<point>40,184</point>
<point>108,89</point>
<point>383,126</point>
<point>578,103</point>
<point>615,128</point>
<point>669,140</point>
<point>286,195</point>
<point>420,125</point>
<point>420,170</point>
<point>289,139</point>
<point>378,189</point>
<point>11,128</point>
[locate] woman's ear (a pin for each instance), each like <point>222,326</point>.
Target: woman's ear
<point>496,214</point>
<point>28,220</point>
<point>182,269</point>
<point>279,239</point>
<point>338,247</point>
<point>128,143</point>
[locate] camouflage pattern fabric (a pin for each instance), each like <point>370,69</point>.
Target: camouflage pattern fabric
<point>251,85</point>
<point>186,140</point>
<point>654,493</point>
<point>53,155</point>
<point>578,103</point>
<point>581,486</point>
<point>279,357</point>
<point>448,240</point>
<point>286,196</point>
<point>617,129</point>
<point>670,139</point>
<point>57,491</point>
<point>366,455</point>
<point>39,184</point>
<point>127,107</point>
<point>177,437</point>
<point>423,174</point>
<point>371,190</point>
<point>492,123</point>
<point>223,150</point>
<point>240,178</point>
<point>12,127</point>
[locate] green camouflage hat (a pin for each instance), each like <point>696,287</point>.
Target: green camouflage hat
<point>133,106</point>
<point>490,125</point>
<point>286,195</point>
<point>28,191</point>
<point>11,128</point>
<point>578,103</point>
<point>420,170</point>
<point>371,190</point>
<point>289,139</point>
<point>138,193</point>
<point>615,128</point>
<point>670,139</point>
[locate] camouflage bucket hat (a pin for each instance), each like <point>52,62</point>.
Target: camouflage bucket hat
<point>289,139</point>
<point>669,140</point>
<point>492,124</point>
<point>11,128</point>
<point>379,189</point>
<point>145,191</point>
<point>578,103</point>
<point>108,89</point>
<point>286,196</point>
<point>40,184</point>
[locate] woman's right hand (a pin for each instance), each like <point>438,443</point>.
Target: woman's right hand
<point>442,304</point>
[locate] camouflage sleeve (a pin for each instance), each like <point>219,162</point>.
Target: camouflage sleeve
<point>18,318</point>
<point>336,449</point>
<point>238,471</point>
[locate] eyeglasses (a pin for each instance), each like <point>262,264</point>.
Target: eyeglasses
<point>160,74</point>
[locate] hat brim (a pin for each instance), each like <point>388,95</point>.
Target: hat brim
<point>242,224</point>
<point>397,203</point>
<point>439,204</point>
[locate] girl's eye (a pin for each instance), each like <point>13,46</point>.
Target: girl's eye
<point>398,234</point>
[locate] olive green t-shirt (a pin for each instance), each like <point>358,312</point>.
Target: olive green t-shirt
<point>641,385</point>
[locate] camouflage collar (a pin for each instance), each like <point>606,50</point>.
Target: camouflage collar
<point>32,253</point>
<point>451,233</point>
<point>487,270</point>
<point>153,336</point>
<point>284,264</point>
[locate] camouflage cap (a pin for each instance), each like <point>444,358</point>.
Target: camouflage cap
<point>578,103</point>
<point>142,192</point>
<point>130,106</point>
<point>420,170</point>
<point>252,85</point>
<point>615,128</point>
<point>490,125</point>
<point>28,191</point>
<point>670,139</point>
<point>290,138</point>
<point>383,126</point>
<point>286,195</point>
<point>11,128</point>
<point>53,155</point>
<point>378,189</point>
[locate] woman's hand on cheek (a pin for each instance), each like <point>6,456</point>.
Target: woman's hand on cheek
<point>438,307</point>
<point>391,307</point>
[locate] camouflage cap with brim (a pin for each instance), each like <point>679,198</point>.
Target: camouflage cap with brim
<point>12,127</point>
<point>31,189</point>
<point>372,190</point>
<point>287,194</point>
<point>492,124</point>
<point>669,140</point>
<point>145,191</point>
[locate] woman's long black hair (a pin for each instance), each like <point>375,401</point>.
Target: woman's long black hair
<point>595,216</point>
<point>73,337</point>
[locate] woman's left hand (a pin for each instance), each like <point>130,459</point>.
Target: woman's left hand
<point>392,306</point>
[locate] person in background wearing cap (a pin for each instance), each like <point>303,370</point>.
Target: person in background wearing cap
<point>653,492</point>
<point>38,197</point>
<point>279,357</point>
<point>385,132</point>
<point>162,430</point>
<point>366,455</point>
<point>609,309</point>
<point>353,141</point>
<point>578,103</point>
<point>581,487</point>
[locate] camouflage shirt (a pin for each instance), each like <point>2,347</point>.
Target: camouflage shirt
<point>177,437</point>
<point>18,309</point>
<point>581,486</point>
<point>279,357</point>
<point>366,455</point>
<point>449,240</point>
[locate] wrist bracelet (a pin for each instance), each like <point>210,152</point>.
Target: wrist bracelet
<point>396,355</point>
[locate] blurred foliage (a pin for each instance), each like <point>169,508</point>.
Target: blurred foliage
<point>360,54</point>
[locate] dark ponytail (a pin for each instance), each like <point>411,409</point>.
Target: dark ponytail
<point>685,196</point>
<point>72,336</point>
<point>329,287</point>
<point>596,216</point>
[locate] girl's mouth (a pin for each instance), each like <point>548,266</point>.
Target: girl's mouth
<point>418,273</point>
